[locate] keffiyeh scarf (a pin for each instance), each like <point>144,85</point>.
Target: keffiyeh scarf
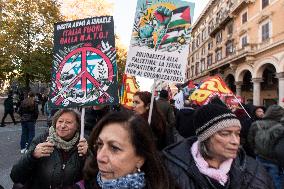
<point>130,181</point>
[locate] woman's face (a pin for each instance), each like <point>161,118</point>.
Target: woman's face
<point>138,105</point>
<point>224,144</point>
<point>66,126</point>
<point>116,156</point>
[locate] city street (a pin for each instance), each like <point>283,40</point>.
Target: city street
<point>10,145</point>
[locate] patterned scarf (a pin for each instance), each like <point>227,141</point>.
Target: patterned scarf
<point>130,181</point>
<point>60,143</point>
<point>219,175</point>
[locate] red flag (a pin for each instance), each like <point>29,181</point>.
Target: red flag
<point>210,87</point>
<point>128,89</point>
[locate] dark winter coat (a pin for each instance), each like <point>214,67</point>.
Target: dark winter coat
<point>246,122</point>
<point>167,110</point>
<point>8,104</point>
<point>185,122</point>
<point>279,152</point>
<point>245,173</point>
<point>92,117</point>
<point>274,131</point>
<point>48,172</point>
<point>28,114</point>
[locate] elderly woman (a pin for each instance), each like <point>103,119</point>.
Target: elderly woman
<point>214,159</point>
<point>124,156</point>
<point>159,126</point>
<point>54,159</point>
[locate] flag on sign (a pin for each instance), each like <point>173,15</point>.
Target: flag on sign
<point>180,17</point>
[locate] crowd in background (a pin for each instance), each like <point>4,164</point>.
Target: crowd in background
<point>210,146</point>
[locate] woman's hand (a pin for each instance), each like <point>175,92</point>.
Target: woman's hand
<point>82,147</point>
<point>43,150</point>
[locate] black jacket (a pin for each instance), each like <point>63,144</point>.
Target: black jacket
<point>185,122</point>
<point>168,112</point>
<point>8,104</point>
<point>48,172</point>
<point>245,173</point>
<point>29,114</point>
<point>279,152</point>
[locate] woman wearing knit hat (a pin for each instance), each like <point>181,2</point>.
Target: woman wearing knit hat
<point>214,158</point>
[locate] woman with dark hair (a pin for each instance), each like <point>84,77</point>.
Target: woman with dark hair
<point>124,156</point>
<point>29,112</point>
<point>159,126</point>
<point>215,159</point>
<point>56,158</point>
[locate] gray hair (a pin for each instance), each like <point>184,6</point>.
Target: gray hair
<point>204,149</point>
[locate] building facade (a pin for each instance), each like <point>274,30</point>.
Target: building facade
<point>243,42</point>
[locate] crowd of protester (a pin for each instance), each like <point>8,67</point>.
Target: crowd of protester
<point>209,146</point>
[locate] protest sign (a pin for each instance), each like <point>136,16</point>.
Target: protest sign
<point>84,66</point>
<point>160,39</point>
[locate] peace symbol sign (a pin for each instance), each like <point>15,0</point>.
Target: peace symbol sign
<point>83,70</point>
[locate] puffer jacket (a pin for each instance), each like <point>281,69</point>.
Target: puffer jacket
<point>48,172</point>
<point>272,123</point>
<point>245,173</point>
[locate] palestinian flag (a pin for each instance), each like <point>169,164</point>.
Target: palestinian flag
<point>179,21</point>
<point>180,18</point>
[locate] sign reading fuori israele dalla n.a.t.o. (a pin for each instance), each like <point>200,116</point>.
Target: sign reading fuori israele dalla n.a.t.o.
<point>84,69</point>
<point>160,40</point>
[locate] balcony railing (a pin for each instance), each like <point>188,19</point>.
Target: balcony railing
<point>220,22</point>
<point>238,4</point>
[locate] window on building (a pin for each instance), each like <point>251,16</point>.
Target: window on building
<point>198,40</point>
<point>210,45</point>
<point>244,41</point>
<point>193,45</point>
<point>265,34</point>
<point>244,17</point>
<point>197,55</point>
<point>229,48</point>
<point>218,17</point>
<point>264,3</point>
<point>203,51</point>
<point>202,64</point>
<point>219,54</point>
<point>192,71</point>
<point>219,37</point>
<point>197,68</point>
<point>210,26</point>
<point>192,58</point>
<point>203,34</point>
<point>230,29</point>
<point>209,60</point>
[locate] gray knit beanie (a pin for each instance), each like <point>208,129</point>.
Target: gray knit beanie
<point>211,118</point>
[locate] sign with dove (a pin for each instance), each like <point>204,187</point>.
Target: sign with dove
<point>84,66</point>
<point>160,40</point>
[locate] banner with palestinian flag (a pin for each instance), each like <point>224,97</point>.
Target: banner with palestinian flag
<point>160,39</point>
<point>128,89</point>
<point>210,87</point>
